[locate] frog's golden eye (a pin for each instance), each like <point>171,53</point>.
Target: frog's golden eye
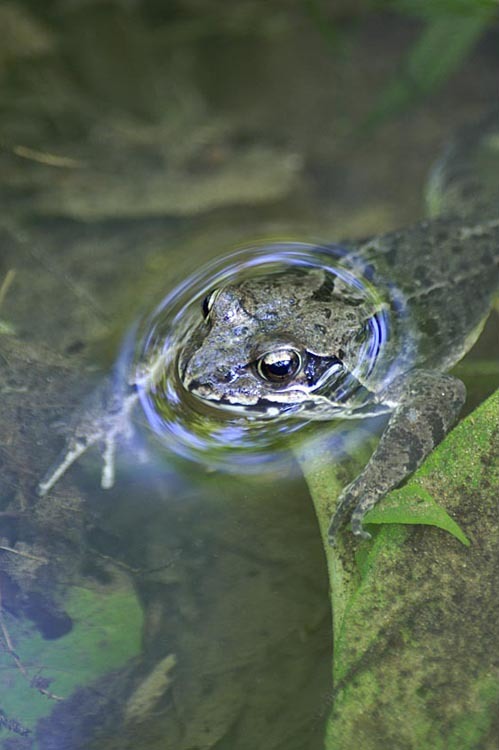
<point>208,303</point>
<point>279,366</point>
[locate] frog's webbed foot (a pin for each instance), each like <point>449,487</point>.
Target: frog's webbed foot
<point>105,419</point>
<point>426,405</point>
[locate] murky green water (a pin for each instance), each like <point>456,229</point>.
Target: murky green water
<point>184,608</point>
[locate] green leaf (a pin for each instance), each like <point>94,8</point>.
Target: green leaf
<point>413,504</point>
<point>439,51</point>
<point>431,8</point>
<point>415,615</point>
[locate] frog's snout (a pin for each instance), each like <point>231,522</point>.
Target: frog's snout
<point>206,385</point>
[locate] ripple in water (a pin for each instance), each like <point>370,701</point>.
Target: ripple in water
<point>225,436</point>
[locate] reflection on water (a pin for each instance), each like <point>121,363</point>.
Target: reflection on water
<point>217,564</point>
<point>229,578</point>
<point>245,423</point>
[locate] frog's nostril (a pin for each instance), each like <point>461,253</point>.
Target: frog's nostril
<point>205,385</point>
<point>226,375</point>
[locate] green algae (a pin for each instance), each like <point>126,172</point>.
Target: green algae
<point>415,612</point>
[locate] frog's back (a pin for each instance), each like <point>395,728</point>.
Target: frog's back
<point>464,182</point>
<point>446,269</point>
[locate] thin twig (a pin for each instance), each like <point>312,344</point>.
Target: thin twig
<point>6,637</point>
<point>117,563</point>
<point>50,160</point>
<point>17,661</point>
<point>13,725</point>
<point>137,571</point>
<point>23,554</point>
<point>6,283</point>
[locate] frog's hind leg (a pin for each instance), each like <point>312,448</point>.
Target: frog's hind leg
<point>428,404</point>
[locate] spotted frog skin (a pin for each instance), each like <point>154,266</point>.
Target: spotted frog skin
<point>280,345</point>
<point>292,344</point>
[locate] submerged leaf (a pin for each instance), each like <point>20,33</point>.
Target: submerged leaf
<point>106,633</point>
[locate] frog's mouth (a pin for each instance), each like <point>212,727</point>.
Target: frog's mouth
<point>285,379</point>
<point>337,394</point>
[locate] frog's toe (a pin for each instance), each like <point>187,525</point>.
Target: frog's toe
<point>108,463</point>
<point>349,508</point>
<point>339,519</point>
<point>74,449</point>
<point>331,537</point>
<point>357,526</point>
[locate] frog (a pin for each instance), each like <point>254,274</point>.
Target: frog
<point>297,343</point>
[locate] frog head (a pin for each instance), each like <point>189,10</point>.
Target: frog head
<point>277,344</point>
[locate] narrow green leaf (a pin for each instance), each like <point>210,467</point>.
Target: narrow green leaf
<point>432,8</point>
<point>414,505</point>
<point>439,51</point>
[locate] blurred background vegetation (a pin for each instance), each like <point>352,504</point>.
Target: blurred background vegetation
<point>137,140</point>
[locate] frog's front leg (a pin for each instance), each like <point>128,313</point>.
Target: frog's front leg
<point>426,405</point>
<point>105,419</point>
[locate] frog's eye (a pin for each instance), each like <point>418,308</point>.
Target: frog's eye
<point>279,366</point>
<point>208,303</point>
